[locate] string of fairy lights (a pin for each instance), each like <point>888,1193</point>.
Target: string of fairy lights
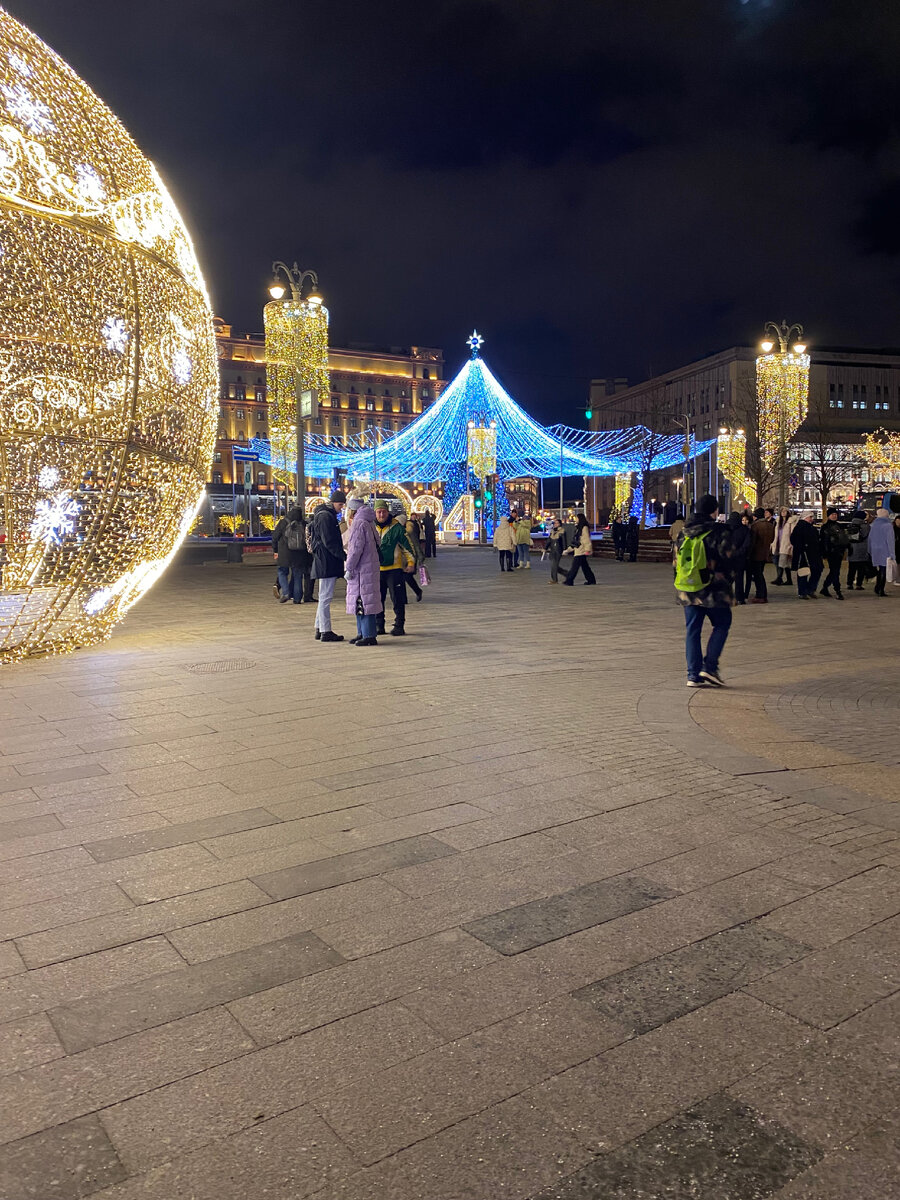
<point>108,369</point>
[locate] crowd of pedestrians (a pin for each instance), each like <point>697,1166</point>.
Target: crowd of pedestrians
<point>375,548</point>
<point>718,563</point>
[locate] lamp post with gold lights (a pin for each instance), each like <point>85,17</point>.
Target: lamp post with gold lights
<point>296,366</point>
<point>782,396</point>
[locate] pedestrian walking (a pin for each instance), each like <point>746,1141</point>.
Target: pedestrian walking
<point>704,586</point>
<point>328,560</point>
<point>632,538</point>
<point>858,569</point>
<point>396,560</point>
<point>293,558</point>
<point>582,552</point>
<point>430,528</point>
<point>807,560</point>
<point>505,543</point>
<point>618,538</point>
<point>413,533</point>
<point>556,546</point>
<point>362,571</point>
<point>740,548</point>
<point>762,535</point>
<point>523,541</point>
<point>881,547</point>
<point>782,551</point>
<point>835,544</point>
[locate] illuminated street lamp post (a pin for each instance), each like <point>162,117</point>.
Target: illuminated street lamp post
<point>305,399</point>
<point>782,396</point>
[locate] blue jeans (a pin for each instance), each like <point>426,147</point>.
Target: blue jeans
<point>523,552</point>
<point>365,626</point>
<point>720,619</point>
<point>294,582</point>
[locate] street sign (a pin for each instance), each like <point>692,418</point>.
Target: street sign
<point>240,454</point>
<point>309,403</point>
<point>248,478</point>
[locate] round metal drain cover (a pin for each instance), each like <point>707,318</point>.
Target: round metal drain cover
<point>225,664</point>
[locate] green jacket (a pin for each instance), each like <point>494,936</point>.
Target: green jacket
<point>523,532</point>
<point>393,536</point>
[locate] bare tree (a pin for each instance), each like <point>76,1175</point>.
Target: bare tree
<point>652,409</point>
<point>825,460</point>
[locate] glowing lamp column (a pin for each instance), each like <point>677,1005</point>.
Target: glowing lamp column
<point>782,396</point>
<point>296,368</point>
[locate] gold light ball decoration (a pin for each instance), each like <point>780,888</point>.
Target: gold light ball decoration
<point>108,372</point>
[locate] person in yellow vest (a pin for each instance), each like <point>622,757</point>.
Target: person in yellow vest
<point>523,542</point>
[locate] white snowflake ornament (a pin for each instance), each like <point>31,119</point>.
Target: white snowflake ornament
<point>115,335</point>
<point>33,114</point>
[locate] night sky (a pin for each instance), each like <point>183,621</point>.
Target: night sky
<point>601,188</point>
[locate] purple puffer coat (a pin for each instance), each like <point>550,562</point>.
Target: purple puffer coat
<point>363,567</point>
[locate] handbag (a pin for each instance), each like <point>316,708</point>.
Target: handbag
<point>893,574</point>
<point>360,609</point>
<point>424,577</point>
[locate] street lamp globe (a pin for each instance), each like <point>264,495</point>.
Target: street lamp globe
<point>276,291</point>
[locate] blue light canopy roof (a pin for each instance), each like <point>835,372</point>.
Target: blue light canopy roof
<point>435,443</point>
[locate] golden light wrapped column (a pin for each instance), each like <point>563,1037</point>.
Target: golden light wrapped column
<point>624,492</point>
<point>731,456</point>
<point>108,370</point>
<point>296,346</point>
<point>481,449</point>
<point>782,400</point>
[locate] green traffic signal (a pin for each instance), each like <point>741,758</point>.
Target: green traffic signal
<point>488,495</point>
<point>478,502</point>
<point>588,413</point>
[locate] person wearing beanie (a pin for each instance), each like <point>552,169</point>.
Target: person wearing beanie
<point>881,547</point>
<point>807,555</point>
<point>293,559</point>
<point>762,534</point>
<point>396,557</point>
<point>705,592</point>
<point>328,560</point>
<point>835,543</point>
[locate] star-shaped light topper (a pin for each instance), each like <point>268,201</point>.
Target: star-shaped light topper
<point>475,342</point>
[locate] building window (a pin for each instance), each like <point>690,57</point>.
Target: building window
<point>240,392</point>
<point>221,414</point>
<point>370,406</point>
<point>387,405</point>
<point>240,435</point>
<point>239,414</point>
<point>257,434</point>
<point>260,416</point>
<point>318,420</point>
<point>353,422</point>
<point>335,422</point>
<point>261,478</point>
<point>426,374</point>
<point>260,395</point>
<point>217,457</point>
<point>217,476</point>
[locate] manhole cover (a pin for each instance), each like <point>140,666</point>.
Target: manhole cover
<point>225,664</point>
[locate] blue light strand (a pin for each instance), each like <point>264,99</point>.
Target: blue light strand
<point>434,447</point>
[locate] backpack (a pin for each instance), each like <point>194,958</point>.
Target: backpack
<point>293,535</point>
<point>691,572</point>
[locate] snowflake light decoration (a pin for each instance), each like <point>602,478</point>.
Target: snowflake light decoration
<point>54,519</point>
<point>20,66</point>
<point>33,114</point>
<point>89,184</point>
<point>114,334</point>
<point>48,478</point>
<point>181,367</point>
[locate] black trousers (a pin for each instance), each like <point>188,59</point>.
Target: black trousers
<point>856,574</point>
<point>411,582</point>
<point>880,580</point>
<point>581,563</point>
<point>392,581</point>
<point>758,576</point>
<point>833,578</point>
<point>430,546</point>
<point>506,560</point>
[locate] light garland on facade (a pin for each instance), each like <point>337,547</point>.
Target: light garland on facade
<point>108,369</point>
<point>296,356</point>
<point>881,451</point>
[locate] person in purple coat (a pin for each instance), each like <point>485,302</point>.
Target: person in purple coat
<point>362,571</point>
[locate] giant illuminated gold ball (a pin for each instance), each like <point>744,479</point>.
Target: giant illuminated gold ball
<point>108,394</point>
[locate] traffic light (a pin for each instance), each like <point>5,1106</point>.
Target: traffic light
<point>588,413</point>
<point>488,494</point>
<point>478,502</point>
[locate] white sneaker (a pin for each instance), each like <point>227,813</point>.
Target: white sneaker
<point>528,566</point>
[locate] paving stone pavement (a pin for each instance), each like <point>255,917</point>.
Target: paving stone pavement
<point>500,909</point>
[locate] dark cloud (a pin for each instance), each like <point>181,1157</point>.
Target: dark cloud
<point>603,189</point>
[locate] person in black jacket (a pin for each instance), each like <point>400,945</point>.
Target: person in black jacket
<point>835,543</point>
<point>328,560</point>
<point>294,560</point>
<point>618,538</point>
<point>807,549</point>
<point>740,548</point>
<point>430,534</point>
<point>713,600</point>
<point>632,538</point>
